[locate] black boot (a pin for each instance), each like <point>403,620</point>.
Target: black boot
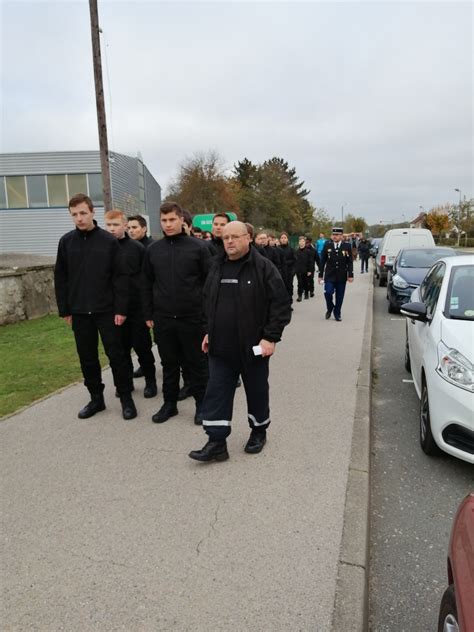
<point>198,415</point>
<point>184,393</point>
<point>138,372</point>
<point>94,406</point>
<point>151,389</point>
<point>129,410</point>
<point>311,294</point>
<point>212,451</point>
<point>169,409</point>
<point>298,300</point>
<point>306,295</point>
<point>256,441</point>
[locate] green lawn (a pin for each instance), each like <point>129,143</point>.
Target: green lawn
<point>37,357</point>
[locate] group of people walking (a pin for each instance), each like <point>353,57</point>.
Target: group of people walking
<point>217,309</point>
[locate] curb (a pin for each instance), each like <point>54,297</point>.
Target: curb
<point>351,599</point>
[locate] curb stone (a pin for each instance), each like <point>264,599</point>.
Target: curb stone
<point>350,612</point>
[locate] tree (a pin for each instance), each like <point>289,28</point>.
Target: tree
<point>201,185</point>
<point>354,224</point>
<point>322,223</point>
<point>437,222</point>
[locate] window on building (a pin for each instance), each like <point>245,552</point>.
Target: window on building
<point>3,193</point>
<point>95,188</point>
<point>16,191</point>
<point>37,197</point>
<point>77,183</point>
<point>57,191</point>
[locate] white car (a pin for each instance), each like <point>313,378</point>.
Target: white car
<point>440,356</point>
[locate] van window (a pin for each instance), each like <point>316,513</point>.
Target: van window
<point>396,243</point>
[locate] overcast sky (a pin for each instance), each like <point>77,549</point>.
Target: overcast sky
<point>371,102</point>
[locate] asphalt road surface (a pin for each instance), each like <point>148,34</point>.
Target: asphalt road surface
<point>413,497</point>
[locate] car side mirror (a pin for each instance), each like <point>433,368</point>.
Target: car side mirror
<point>415,311</point>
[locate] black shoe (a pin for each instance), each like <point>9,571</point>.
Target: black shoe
<point>169,409</point>
<point>198,418</point>
<point>212,451</point>
<point>129,410</point>
<point>311,294</point>
<point>184,393</point>
<point>138,372</point>
<point>298,300</point>
<point>151,389</point>
<point>328,315</point>
<point>256,441</point>
<point>94,406</point>
<point>338,318</point>
<point>117,394</point>
<point>306,295</point>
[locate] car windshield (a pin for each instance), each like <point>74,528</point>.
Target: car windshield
<point>423,258</point>
<point>460,298</point>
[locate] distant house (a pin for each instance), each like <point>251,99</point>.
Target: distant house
<point>35,189</point>
<point>419,221</point>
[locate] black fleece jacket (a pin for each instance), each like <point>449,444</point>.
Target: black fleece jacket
<point>89,276</point>
<point>173,275</point>
<point>263,304</point>
<point>304,261</point>
<point>132,254</point>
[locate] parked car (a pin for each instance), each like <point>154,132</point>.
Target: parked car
<point>439,352</point>
<point>408,271</point>
<point>393,241</point>
<point>374,246</point>
<point>456,613</point>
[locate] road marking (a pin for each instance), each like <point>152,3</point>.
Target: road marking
<point>400,319</point>
<point>408,381</point>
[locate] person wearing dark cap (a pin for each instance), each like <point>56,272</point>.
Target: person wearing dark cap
<point>336,269</point>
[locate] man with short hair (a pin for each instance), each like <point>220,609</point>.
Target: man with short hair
<point>173,275</point>
<point>247,308</point>
<point>134,332</point>
<point>92,293</point>
<point>219,221</point>
<point>336,266</point>
<point>138,228</point>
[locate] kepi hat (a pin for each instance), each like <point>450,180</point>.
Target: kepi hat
<point>337,231</point>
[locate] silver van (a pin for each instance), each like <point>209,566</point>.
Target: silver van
<point>393,241</point>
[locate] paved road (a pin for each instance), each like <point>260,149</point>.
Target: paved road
<point>414,497</point>
<point>108,525</point>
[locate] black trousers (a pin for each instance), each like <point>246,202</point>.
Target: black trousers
<point>364,263</point>
<point>303,283</point>
<point>87,328</point>
<point>135,334</point>
<point>218,403</point>
<point>289,285</point>
<point>311,282</point>
<point>179,344</point>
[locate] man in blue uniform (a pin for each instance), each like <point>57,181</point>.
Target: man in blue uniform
<point>336,269</point>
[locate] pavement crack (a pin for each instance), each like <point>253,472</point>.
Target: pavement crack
<point>212,528</point>
<point>99,561</point>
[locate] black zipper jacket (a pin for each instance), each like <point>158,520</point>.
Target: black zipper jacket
<point>173,275</point>
<point>304,262</point>
<point>263,305</point>
<point>290,260</point>
<point>133,253</point>
<point>89,276</point>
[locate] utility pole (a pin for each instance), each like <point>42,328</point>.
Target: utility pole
<point>459,217</point>
<point>99,98</point>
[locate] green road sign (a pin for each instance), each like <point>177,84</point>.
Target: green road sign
<point>204,222</point>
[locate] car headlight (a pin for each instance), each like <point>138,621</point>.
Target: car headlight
<point>455,368</point>
<point>399,282</point>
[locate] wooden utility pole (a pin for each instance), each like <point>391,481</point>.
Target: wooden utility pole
<point>99,98</point>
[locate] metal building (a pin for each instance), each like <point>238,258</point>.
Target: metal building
<point>35,189</point>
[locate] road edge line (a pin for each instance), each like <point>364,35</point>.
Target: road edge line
<point>350,612</point>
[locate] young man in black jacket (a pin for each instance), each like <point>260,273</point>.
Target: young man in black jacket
<point>92,290</point>
<point>290,260</point>
<point>134,332</point>
<point>137,230</point>
<point>247,308</point>
<point>173,275</point>
<point>303,266</point>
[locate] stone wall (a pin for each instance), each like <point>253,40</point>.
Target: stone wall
<point>26,293</point>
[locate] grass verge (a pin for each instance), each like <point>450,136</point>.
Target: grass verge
<point>38,357</point>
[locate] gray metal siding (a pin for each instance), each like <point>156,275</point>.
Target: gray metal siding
<point>49,162</point>
<point>124,176</point>
<point>153,202</point>
<point>36,231</point>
